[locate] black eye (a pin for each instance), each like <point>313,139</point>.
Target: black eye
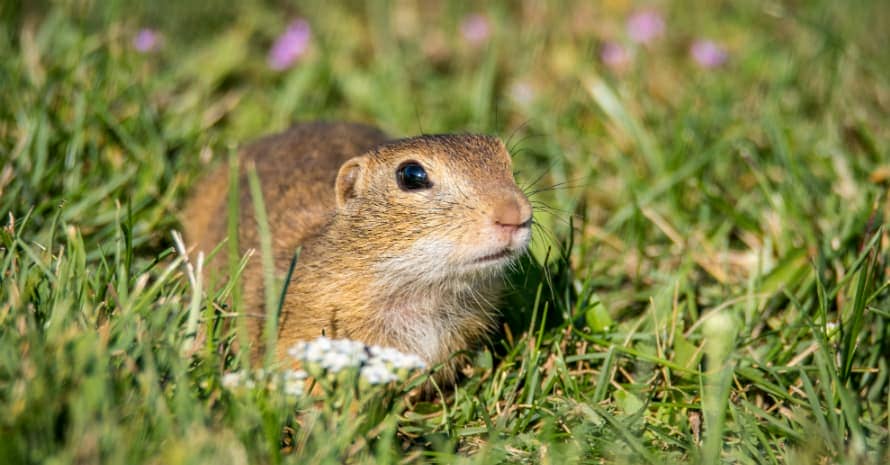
<point>411,176</point>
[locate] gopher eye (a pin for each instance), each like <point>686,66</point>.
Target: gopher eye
<point>411,176</point>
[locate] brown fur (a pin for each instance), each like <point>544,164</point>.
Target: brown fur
<point>378,264</point>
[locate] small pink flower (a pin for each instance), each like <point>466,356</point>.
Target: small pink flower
<point>147,40</point>
<point>522,93</point>
<point>290,45</point>
<point>614,55</point>
<point>644,26</point>
<point>475,29</point>
<point>708,54</point>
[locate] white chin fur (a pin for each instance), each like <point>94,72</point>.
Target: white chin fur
<point>439,259</point>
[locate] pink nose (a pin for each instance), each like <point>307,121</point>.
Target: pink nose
<point>511,214</point>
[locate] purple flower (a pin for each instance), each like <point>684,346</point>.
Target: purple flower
<point>708,54</point>
<point>614,55</point>
<point>475,28</point>
<point>644,26</point>
<point>147,40</point>
<point>290,45</point>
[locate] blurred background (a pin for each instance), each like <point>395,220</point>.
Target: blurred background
<point>604,95</point>
<point>685,159</point>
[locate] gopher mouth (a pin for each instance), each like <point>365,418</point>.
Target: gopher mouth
<point>504,253</point>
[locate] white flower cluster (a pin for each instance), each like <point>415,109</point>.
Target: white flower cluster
<point>328,357</point>
<point>291,381</point>
<point>396,359</point>
<point>376,364</point>
<point>332,355</point>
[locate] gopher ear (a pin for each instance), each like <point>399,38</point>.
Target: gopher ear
<point>349,180</point>
<point>506,153</point>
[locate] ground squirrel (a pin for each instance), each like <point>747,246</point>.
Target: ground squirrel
<point>404,242</point>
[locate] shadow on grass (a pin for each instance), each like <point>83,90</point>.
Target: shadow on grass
<point>538,298</point>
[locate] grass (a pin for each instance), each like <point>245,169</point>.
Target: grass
<point>709,282</point>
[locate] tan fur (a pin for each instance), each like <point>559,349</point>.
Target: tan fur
<point>378,264</point>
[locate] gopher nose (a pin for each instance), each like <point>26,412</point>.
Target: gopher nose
<point>510,213</point>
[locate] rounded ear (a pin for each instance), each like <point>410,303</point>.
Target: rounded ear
<point>506,153</point>
<point>349,179</point>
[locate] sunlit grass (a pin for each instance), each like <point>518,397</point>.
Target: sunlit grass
<point>709,271</point>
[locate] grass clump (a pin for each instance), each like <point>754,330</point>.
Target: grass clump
<point>709,281</point>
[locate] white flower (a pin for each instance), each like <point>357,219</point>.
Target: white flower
<point>377,372</point>
<point>237,379</point>
<point>293,382</point>
<point>397,359</point>
<point>338,361</point>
